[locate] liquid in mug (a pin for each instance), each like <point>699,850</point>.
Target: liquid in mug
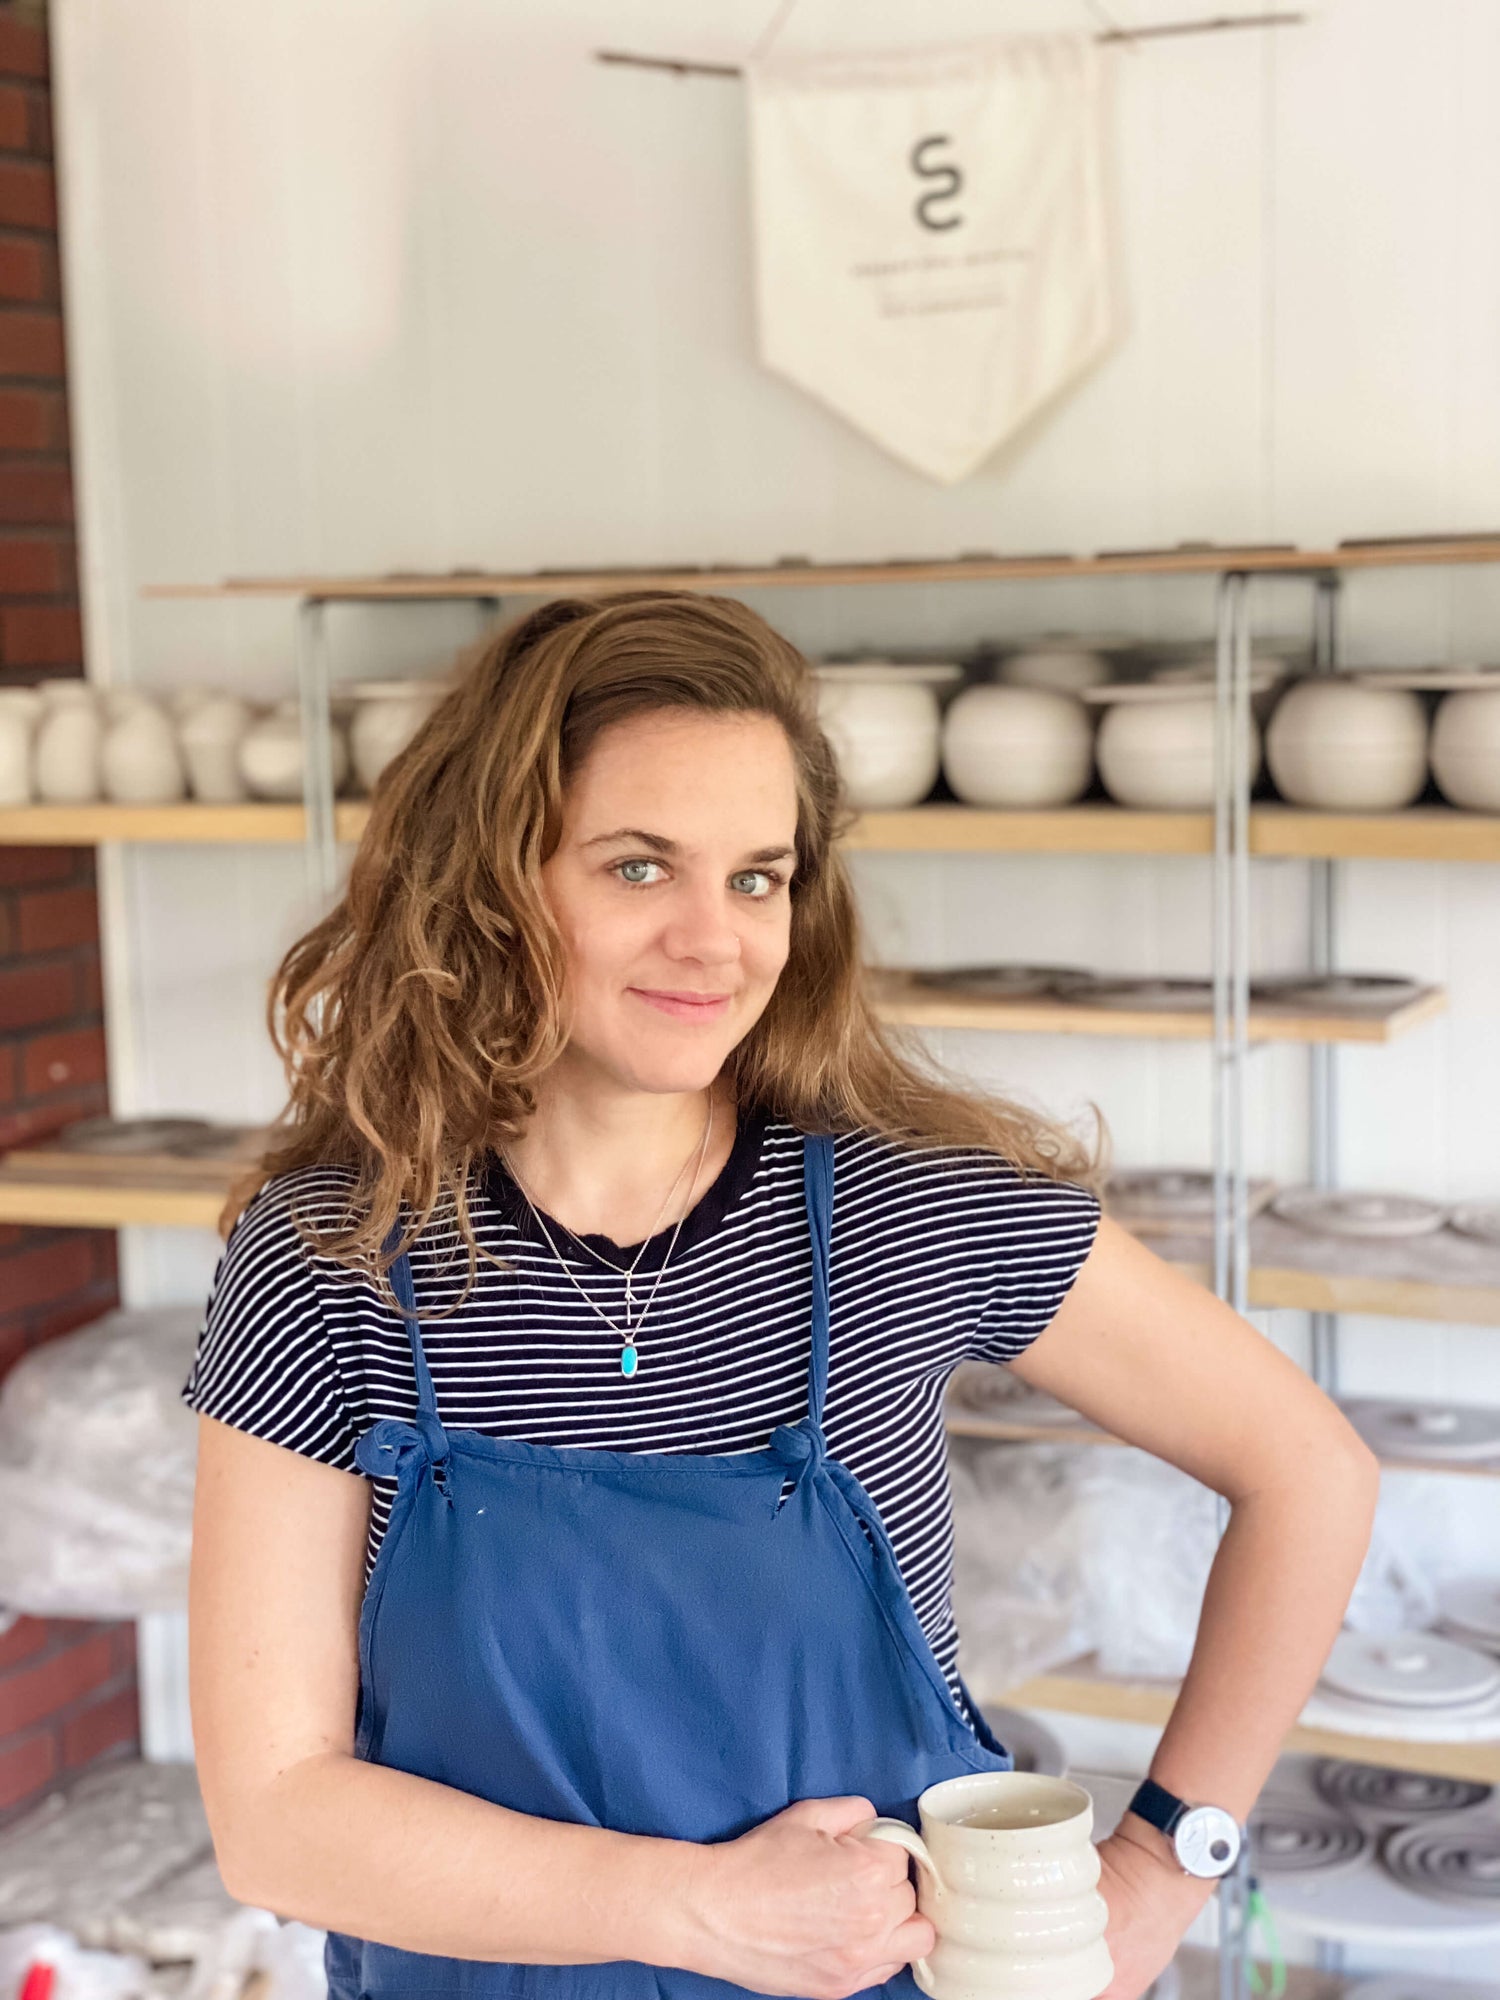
<point>1007,1819</point>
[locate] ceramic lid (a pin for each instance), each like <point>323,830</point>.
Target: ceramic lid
<point>1419,1669</point>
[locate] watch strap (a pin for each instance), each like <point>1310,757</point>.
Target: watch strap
<point>1157,1806</point>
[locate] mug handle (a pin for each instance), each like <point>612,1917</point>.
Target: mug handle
<point>899,1834</point>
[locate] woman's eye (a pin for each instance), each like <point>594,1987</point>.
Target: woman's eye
<point>751,876</point>
<point>628,871</point>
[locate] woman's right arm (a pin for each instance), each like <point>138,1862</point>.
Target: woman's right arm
<point>303,1827</point>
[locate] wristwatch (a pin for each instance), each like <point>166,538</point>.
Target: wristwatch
<point>1205,1839</point>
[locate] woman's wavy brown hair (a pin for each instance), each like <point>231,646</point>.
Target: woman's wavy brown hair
<point>416,1019</point>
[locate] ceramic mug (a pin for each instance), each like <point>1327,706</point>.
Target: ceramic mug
<point>1008,1879</point>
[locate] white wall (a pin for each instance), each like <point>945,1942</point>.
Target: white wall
<point>369,284</point>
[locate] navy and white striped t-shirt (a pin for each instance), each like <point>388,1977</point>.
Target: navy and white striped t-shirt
<point>937,1256</point>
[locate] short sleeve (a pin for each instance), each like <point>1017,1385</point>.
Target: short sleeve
<point>264,1362</point>
<point>1043,1232</point>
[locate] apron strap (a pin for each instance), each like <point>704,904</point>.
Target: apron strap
<point>817,1182</point>
<point>427,1421</point>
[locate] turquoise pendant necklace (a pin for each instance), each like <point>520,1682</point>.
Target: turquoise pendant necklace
<point>629,1353</point>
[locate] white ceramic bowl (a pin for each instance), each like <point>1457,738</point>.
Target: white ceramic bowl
<point>1160,754</point>
<point>1017,746</point>
<point>1337,746</point>
<point>885,733</point>
<point>1060,669</point>
<point>1466,750</point>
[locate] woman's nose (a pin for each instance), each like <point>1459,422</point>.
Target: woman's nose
<point>702,927</point>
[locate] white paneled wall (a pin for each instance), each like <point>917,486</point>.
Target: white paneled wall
<point>369,284</point>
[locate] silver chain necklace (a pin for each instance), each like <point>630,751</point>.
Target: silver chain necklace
<point>630,1268</point>
<point>629,1357</point>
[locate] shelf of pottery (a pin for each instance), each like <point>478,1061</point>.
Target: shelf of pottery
<point>1063,745</point>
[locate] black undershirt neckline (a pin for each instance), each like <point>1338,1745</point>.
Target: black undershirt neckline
<point>702,1219</point>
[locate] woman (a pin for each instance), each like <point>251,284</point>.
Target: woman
<point>556,1625</point>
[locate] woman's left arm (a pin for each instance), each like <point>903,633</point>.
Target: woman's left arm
<point>1147,1354</point>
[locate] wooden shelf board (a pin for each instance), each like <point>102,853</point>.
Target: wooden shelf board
<point>1077,1690</point>
<point>49,1204</point>
<point>1191,559</point>
<point>1086,829</point>
<point>1432,833</point>
<point>902,1001</point>
<point>1420,833</point>
<point>87,825</point>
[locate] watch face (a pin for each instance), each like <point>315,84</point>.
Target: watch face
<point>1207,1840</point>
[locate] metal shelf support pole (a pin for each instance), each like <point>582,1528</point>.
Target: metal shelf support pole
<point>1231,1052</point>
<point>1323,957</point>
<point>317,738</point>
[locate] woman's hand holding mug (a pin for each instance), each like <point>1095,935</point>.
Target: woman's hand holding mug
<point>801,1905</point>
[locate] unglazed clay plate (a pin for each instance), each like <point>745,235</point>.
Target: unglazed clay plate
<point>1470,1609</point>
<point>1457,1861</point>
<point>1376,1797</point>
<point>1409,1669</point>
<point>1342,1212</point>
<point>1167,996</point>
<point>1172,1197</point>
<point>1002,982</point>
<point>1287,1838</point>
<point>127,1135</point>
<point>1337,989</point>
<point>1465,1433</point>
<point>1480,1219</point>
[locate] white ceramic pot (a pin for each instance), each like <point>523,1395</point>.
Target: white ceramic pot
<point>1160,754</point>
<point>139,761</point>
<point>384,725</point>
<point>18,713</point>
<point>210,734</point>
<point>68,738</point>
<point>885,733</point>
<point>1466,750</point>
<point>1017,746</point>
<point>1337,746</point>
<point>270,753</point>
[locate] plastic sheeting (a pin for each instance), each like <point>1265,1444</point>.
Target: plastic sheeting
<point>1062,1550</point>
<point>97,1456</point>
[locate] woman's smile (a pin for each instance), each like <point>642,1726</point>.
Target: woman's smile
<point>684,1006</point>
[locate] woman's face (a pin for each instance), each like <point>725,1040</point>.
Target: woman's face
<point>670,888</point>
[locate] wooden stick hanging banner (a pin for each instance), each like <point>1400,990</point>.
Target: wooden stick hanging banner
<point>1158,31</point>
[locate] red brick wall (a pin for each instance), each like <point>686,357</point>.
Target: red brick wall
<point>67,1688</point>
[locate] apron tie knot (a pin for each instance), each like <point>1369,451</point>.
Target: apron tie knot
<point>800,1447</point>
<point>389,1446</point>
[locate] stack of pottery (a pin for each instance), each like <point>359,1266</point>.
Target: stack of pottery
<point>884,721</point>
<point>1345,745</point>
<point>1063,662</point>
<point>1017,746</point>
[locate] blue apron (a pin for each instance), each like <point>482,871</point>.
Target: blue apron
<point>654,1642</point>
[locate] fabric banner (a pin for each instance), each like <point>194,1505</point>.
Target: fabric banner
<point>931,249</point>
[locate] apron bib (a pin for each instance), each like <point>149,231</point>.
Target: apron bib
<point>654,1642</point>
